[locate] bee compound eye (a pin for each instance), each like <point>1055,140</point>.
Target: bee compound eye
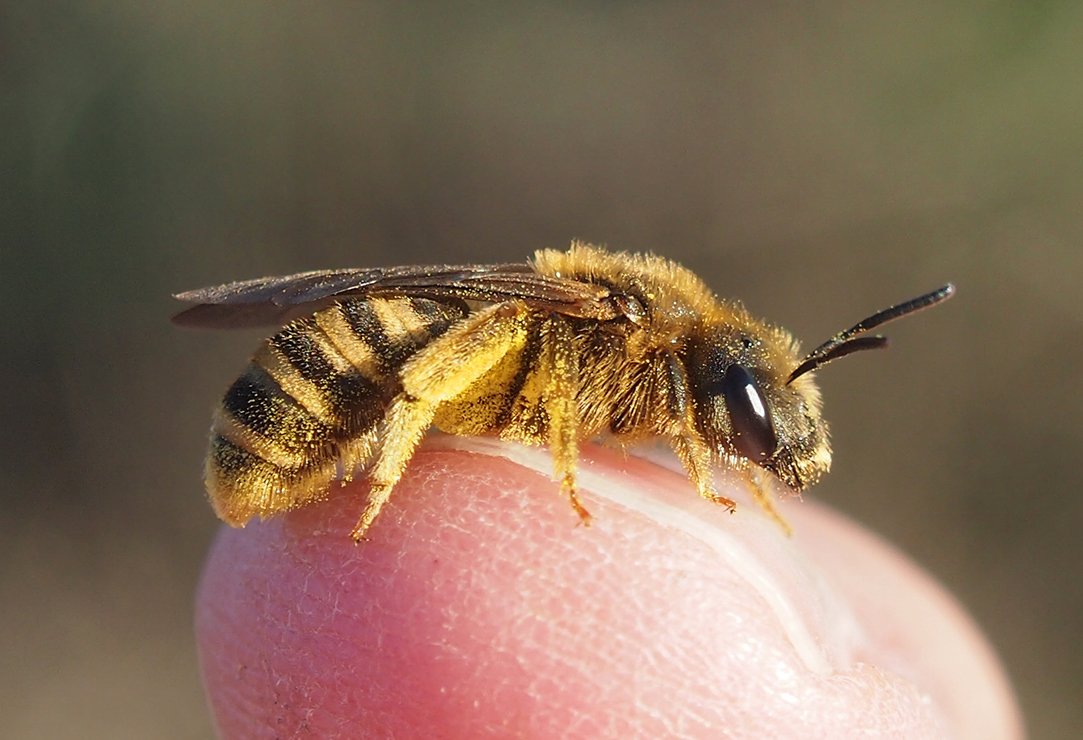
<point>754,434</point>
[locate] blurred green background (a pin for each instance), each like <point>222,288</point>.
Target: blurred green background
<point>818,161</point>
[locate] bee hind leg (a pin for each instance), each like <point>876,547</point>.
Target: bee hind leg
<point>439,372</point>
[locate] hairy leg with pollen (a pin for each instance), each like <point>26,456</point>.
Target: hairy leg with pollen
<point>762,495</point>
<point>438,373</point>
<point>558,356</point>
<point>695,455</point>
<point>688,443</point>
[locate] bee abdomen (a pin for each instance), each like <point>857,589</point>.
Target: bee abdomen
<point>312,398</point>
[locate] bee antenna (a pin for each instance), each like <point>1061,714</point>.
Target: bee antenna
<point>849,341</point>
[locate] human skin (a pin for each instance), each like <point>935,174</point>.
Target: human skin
<point>479,608</point>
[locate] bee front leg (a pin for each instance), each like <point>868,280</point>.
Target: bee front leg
<point>561,366</point>
<point>688,443</point>
<point>762,496</point>
<point>695,457</point>
<point>444,369</point>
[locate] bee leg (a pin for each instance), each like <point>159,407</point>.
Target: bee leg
<point>762,496</point>
<point>688,443</point>
<point>442,370</point>
<point>563,370</point>
<point>695,456</point>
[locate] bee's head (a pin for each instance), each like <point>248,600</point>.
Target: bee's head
<point>756,401</point>
<point>746,410</point>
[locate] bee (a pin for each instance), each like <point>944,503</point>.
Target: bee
<point>567,347</point>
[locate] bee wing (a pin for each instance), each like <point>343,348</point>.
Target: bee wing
<point>276,300</point>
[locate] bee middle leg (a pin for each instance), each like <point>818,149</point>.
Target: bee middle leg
<point>561,365</point>
<point>441,371</point>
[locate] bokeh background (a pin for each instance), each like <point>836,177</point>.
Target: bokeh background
<point>817,160</point>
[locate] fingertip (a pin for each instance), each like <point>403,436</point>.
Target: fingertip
<point>913,627</point>
<point>302,629</point>
<point>479,608</point>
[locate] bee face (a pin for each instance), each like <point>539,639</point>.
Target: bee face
<point>748,413</point>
